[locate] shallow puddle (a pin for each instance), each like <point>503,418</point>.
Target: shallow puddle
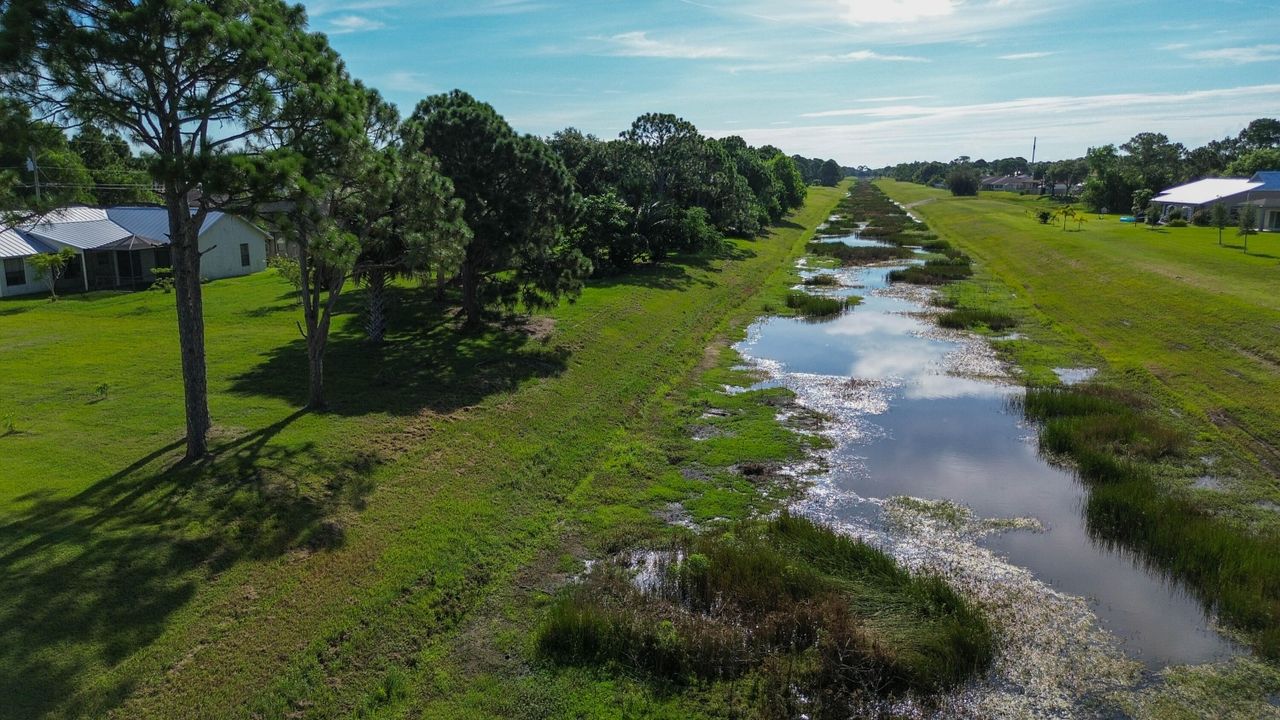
<point>922,412</point>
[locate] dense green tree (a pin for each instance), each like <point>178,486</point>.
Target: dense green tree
<point>1109,185</point>
<point>118,177</point>
<point>606,235</point>
<point>1254,161</point>
<point>1153,161</point>
<point>201,85</point>
<point>63,178</point>
<point>519,204</point>
<point>963,181</point>
<point>1259,134</point>
<point>830,174</point>
<point>788,175</point>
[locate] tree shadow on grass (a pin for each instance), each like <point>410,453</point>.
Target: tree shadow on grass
<point>92,578</point>
<point>426,363</point>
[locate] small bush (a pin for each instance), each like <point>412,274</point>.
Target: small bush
<point>1177,223</point>
<point>1201,218</point>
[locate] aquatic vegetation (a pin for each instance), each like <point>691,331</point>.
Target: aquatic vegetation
<point>823,280</point>
<point>818,621</point>
<point>935,272</point>
<point>970,318</point>
<point>850,255</point>
<point>815,305</point>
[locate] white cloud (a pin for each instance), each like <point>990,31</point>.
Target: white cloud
<point>406,81</point>
<point>345,24</point>
<point>1065,125</point>
<point>639,44</point>
<point>1239,55</point>
<point>865,55</point>
<point>858,12</point>
<point>1026,56</point>
<point>899,21</point>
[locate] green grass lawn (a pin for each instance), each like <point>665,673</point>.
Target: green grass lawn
<point>320,564</point>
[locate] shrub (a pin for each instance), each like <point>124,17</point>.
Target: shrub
<point>1174,215</point>
<point>1201,218</point>
<point>963,182</point>
<point>1178,223</point>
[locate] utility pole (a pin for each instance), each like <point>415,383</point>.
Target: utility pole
<point>34,168</point>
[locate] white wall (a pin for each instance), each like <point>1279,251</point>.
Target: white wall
<point>33,284</point>
<point>221,247</point>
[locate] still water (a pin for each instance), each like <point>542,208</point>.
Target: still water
<point>926,413</point>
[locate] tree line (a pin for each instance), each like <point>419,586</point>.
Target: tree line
<point>1111,174</point>
<point>237,106</point>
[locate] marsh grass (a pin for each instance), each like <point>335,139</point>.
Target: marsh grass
<point>971,318</point>
<point>934,272</point>
<point>847,623</point>
<point>815,306</point>
<point>823,280</point>
<point>850,255</point>
<point>1114,444</point>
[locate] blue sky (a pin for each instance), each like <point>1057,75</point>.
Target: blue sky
<point>865,81</point>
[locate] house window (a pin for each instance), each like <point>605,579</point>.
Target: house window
<point>15,272</point>
<point>244,254</point>
<point>162,258</point>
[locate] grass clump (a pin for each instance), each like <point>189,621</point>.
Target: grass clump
<point>823,280</point>
<point>849,255</point>
<point>818,622</point>
<point>935,272</point>
<point>970,318</point>
<point>815,306</point>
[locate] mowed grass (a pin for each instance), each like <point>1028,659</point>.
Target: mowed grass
<point>1180,325</point>
<point>318,562</point>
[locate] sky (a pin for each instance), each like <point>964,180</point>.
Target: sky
<point>868,82</point>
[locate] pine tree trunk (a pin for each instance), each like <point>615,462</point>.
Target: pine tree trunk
<point>315,370</point>
<point>375,323</point>
<point>186,283</point>
<point>470,294</point>
<point>440,282</point>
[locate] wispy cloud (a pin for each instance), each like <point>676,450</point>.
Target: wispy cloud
<point>407,81</point>
<point>1026,56</point>
<point>869,55</point>
<point>899,21</point>
<point>1239,55</point>
<point>345,24</point>
<point>1066,125</point>
<point>639,44</point>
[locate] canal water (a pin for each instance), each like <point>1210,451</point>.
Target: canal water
<point>925,413</point>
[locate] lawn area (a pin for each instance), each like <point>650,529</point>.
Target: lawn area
<point>318,563</point>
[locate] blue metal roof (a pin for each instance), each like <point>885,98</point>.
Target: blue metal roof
<point>1270,180</point>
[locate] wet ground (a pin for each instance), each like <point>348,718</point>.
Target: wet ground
<point>931,462</point>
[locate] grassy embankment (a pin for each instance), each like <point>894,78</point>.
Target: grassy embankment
<point>352,562</point>
<point>1178,438</point>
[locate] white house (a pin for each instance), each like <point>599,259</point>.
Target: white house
<point>1262,191</point>
<point>118,247</point>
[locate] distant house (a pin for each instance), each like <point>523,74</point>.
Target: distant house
<point>1262,191</point>
<point>1010,183</point>
<point>119,247</point>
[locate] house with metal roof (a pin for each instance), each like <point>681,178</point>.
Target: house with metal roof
<point>120,247</point>
<point>1262,191</point>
